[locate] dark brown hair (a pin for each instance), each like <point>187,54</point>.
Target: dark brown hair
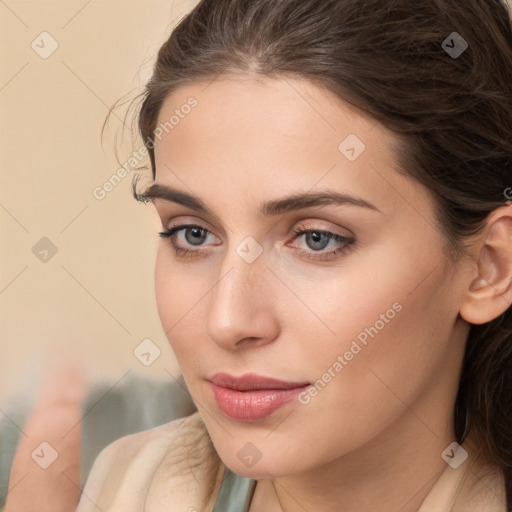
<point>452,115</point>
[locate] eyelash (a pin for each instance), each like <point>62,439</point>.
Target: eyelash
<point>319,256</point>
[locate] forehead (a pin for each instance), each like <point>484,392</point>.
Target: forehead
<point>285,105</point>
<point>271,134</point>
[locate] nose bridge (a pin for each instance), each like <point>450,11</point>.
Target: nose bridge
<point>244,266</point>
<point>238,282</point>
<point>239,305</point>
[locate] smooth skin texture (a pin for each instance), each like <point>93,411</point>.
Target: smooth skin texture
<point>372,438</point>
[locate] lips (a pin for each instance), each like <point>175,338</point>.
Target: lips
<point>252,397</point>
<point>251,382</point>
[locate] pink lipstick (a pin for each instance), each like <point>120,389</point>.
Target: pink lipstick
<point>252,397</point>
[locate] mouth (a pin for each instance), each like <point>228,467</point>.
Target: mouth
<point>252,382</point>
<point>252,397</point>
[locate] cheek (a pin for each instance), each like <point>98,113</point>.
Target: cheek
<point>385,289</point>
<point>172,296</point>
<point>179,294</point>
<point>393,320</point>
<point>370,290</point>
<point>164,279</point>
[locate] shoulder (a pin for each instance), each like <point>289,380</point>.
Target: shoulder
<point>173,464</point>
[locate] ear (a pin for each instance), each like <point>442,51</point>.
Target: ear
<point>490,292</point>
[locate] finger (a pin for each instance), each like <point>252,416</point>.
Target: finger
<point>45,474</point>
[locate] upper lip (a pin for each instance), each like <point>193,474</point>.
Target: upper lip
<point>252,381</point>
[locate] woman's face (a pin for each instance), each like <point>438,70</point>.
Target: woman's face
<point>369,319</point>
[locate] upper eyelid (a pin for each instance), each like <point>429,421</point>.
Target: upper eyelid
<point>188,223</point>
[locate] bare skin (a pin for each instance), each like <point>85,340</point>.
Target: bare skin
<point>371,439</point>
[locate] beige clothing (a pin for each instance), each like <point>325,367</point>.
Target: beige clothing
<point>175,468</point>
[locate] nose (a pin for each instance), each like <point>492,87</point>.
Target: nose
<point>240,309</point>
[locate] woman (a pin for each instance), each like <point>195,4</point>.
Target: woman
<point>335,271</point>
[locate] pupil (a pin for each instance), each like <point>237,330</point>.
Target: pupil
<point>316,237</point>
<point>196,236</point>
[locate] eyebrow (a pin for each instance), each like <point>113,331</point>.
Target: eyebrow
<point>290,203</point>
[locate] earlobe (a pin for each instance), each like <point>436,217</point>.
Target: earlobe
<point>489,294</point>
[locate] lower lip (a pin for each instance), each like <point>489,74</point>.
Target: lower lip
<point>253,405</point>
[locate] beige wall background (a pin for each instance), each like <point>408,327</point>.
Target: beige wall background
<point>64,63</point>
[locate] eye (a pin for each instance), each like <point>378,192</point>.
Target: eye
<point>316,239</point>
<point>319,239</point>
<point>193,234</point>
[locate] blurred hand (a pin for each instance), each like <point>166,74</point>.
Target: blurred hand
<point>45,474</point>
